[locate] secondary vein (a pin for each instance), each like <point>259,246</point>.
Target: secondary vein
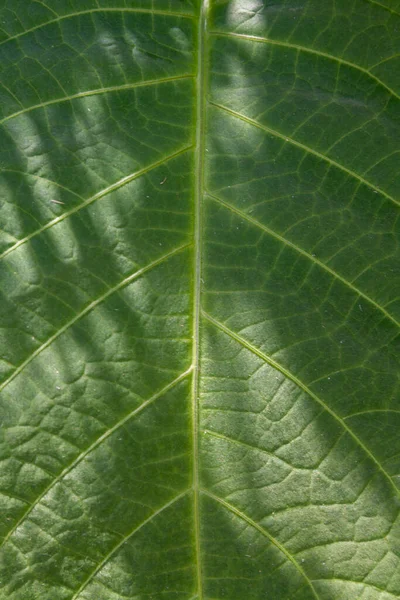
<point>95,92</point>
<point>290,376</point>
<point>309,50</point>
<point>91,11</point>
<point>300,250</point>
<point>306,149</point>
<point>104,192</point>
<point>113,550</point>
<point>78,459</point>
<point>266,534</point>
<point>88,309</point>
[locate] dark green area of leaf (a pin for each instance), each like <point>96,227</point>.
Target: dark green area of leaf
<point>200,284</point>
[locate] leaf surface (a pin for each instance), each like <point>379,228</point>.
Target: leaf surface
<point>200,300</point>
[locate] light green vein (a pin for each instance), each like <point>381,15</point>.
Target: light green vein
<point>266,534</point>
<point>391,10</point>
<point>202,75</point>
<point>305,148</point>
<point>273,363</point>
<point>88,309</point>
<point>341,61</point>
<point>14,497</point>
<point>372,410</point>
<point>92,447</point>
<point>364,584</point>
<point>108,190</point>
<point>383,61</point>
<point>95,92</point>
<point>290,244</point>
<point>144,11</point>
<point>46,7</point>
<point>41,178</point>
<point>226,438</point>
<point>124,540</point>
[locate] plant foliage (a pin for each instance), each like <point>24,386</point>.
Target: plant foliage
<point>200,299</point>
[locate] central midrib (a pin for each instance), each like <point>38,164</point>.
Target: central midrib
<point>201,87</point>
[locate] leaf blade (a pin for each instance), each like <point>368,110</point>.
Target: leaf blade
<point>199,394</point>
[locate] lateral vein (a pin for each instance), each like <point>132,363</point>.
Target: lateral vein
<point>315,260</point>
<point>123,541</point>
<point>274,364</point>
<point>92,447</point>
<point>306,149</point>
<point>108,190</point>
<point>88,309</point>
<point>280,43</point>
<point>95,92</point>
<point>266,534</point>
<point>147,11</point>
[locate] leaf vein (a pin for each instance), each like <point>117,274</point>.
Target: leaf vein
<point>266,534</point>
<point>237,442</point>
<point>373,410</point>
<point>96,92</point>
<point>92,447</point>
<point>341,61</point>
<point>98,10</point>
<point>394,12</point>
<point>104,192</point>
<point>201,82</point>
<point>124,540</point>
<point>290,244</point>
<point>274,364</point>
<point>305,148</point>
<point>361,583</point>
<point>89,308</point>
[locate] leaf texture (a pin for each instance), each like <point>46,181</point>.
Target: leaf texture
<point>200,290</point>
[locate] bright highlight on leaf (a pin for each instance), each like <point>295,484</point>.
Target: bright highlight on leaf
<point>199,255</point>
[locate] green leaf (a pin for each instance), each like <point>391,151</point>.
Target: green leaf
<point>200,300</point>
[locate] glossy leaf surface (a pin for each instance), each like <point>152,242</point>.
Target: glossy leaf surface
<point>200,300</point>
